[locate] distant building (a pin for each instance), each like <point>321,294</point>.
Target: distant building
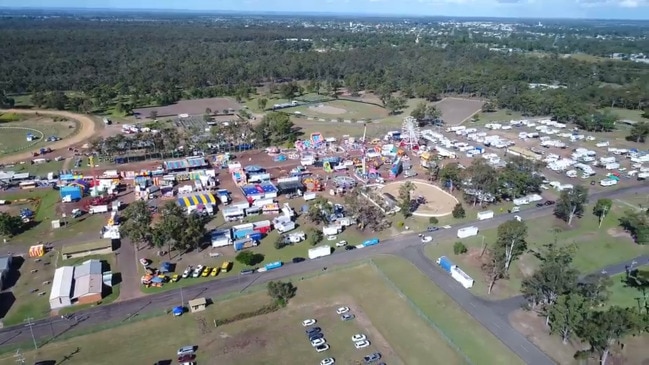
<point>82,284</point>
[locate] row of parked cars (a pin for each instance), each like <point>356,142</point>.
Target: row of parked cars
<point>318,341</point>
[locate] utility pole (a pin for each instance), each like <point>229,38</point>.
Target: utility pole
<point>30,324</point>
<point>20,358</point>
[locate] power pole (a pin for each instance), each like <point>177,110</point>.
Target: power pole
<point>30,324</point>
<point>20,358</point>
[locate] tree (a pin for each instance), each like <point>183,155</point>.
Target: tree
<point>482,180</point>
<point>395,104</point>
<point>10,225</point>
<point>314,236</point>
<point>194,232</point>
<point>451,175</point>
<point>458,211</point>
<point>281,291</point>
<point>405,204</point>
<point>432,112</point>
<point>567,314</point>
<point>595,288</point>
<point>494,267</point>
<point>511,241</point>
<point>367,216</point>
<point>521,176</point>
<point>637,224</point>
<point>136,223</point>
<point>275,129</point>
<point>261,103</point>
<point>639,132</point>
<point>601,209</point>
<point>459,248</point>
<point>554,277</point>
<point>320,211</point>
<point>249,258</point>
<point>488,107</point>
<point>571,203</point>
<point>419,112</point>
<point>280,243</point>
<point>604,328</point>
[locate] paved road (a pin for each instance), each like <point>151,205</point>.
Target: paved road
<point>124,310</point>
<point>477,308</point>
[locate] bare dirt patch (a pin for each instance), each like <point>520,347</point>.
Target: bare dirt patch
<point>438,202</point>
<point>327,109</point>
<point>86,130</point>
<point>618,233</point>
<point>457,110</point>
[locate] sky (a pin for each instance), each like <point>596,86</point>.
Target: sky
<point>598,9</point>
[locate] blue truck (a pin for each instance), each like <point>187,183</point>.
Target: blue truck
<point>445,264</point>
<point>273,265</point>
<point>371,242</point>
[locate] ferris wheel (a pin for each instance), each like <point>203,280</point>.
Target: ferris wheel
<point>410,133</point>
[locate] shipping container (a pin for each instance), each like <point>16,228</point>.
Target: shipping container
<point>371,242</point>
<point>485,215</point>
<point>320,251</point>
<point>330,230</point>
<point>461,277</point>
<point>244,243</point>
<point>467,232</point>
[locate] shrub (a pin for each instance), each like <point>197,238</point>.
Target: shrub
<point>458,211</point>
<point>459,248</point>
<point>280,243</point>
<point>400,224</point>
<point>314,236</point>
<point>249,258</point>
<point>433,220</point>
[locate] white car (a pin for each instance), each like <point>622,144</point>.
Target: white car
<point>187,272</point>
<point>308,322</point>
<point>322,348</point>
<point>328,361</point>
<point>361,344</point>
<point>198,271</point>
<point>426,239</point>
<point>342,310</point>
<point>359,337</point>
<point>341,243</point>
<point>331,238</point>
<point>318,342</point>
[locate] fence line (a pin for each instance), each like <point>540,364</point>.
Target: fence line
<point>420,313</point>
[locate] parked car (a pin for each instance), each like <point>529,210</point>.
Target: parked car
<point>197,271</point>
<point>188,363</point>
<point>361,344</point>
<point>549,202</point>
<point>341,243</point>
<point>187,272</point>
<point>206,272</point>
<point>359,337</point>
<point>215,271</point>
<point>322,348</point>
<point>185,350</point>
<point>175,277</point>
<point>347,317</point>
<point>313,330</point>
<point>372,358</point>
<point>247,271</point>
<point>342,310</point>
<point>538,205</point>
<point>316,336</point>
<point>426,239</point>
<point>186,357</point>
<point>318,342</point>
<point>328,361</point>
<point>331,238</point>
<point>298,259</point>
<point>308,322</point>
<point>432,229</point>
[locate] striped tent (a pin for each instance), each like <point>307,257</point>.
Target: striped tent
<point>197,199</point>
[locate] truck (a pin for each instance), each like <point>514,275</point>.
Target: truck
<point>330,230</point>
<point>320,251</point>
<point>93,209</point>
<point>224,196</point>
<point>485,215</point>
<point>225,267</point>
<point>467,232</point>
<point>244,243</point>
<point>445,263</point>
<point>273,265</point>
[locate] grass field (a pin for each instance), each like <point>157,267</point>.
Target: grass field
<point>401,327</point>
<point>344,109</point>
<point>13,139</point>
<point>594,247</point>
<point>626,296</point>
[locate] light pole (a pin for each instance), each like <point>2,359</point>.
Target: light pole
<point>30,324</point>
<point>20,358</point>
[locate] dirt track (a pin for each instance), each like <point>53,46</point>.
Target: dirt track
<point>86,130</point>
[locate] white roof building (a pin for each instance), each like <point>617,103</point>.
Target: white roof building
<point>61,295</point>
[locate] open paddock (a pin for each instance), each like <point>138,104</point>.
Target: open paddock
<point>456,110</point>
<point>438,203</point>
<point>343,109</point>
<point>13,135</point>
<point>393,328</point>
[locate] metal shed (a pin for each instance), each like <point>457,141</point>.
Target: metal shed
<point>61,295</point>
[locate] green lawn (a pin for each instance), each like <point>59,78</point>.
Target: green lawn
<point>278,338</point>
<point>595,247</point>
<point>626,296</point>
<point>12,137</point>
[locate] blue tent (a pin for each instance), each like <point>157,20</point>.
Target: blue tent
<point>165,267</point>
<point>178,311</point>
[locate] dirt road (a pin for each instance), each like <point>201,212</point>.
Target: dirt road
<point>86,130</point>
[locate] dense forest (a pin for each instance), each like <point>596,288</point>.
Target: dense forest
<point>159,62</point>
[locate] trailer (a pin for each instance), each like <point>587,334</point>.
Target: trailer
<point>467,232</point>
<point>487,214</point>
<point>224,196</point>
<point>330,230</point>
<point>456,273</point>
<point>445,264</point>
<point>371,242</point>
<point>273,265</point>
<point>320,251</point>
<point>98,209</point>
<point>244,243</point>
<point>521,201</point>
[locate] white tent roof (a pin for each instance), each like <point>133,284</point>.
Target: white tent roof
<point>62,283</point>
